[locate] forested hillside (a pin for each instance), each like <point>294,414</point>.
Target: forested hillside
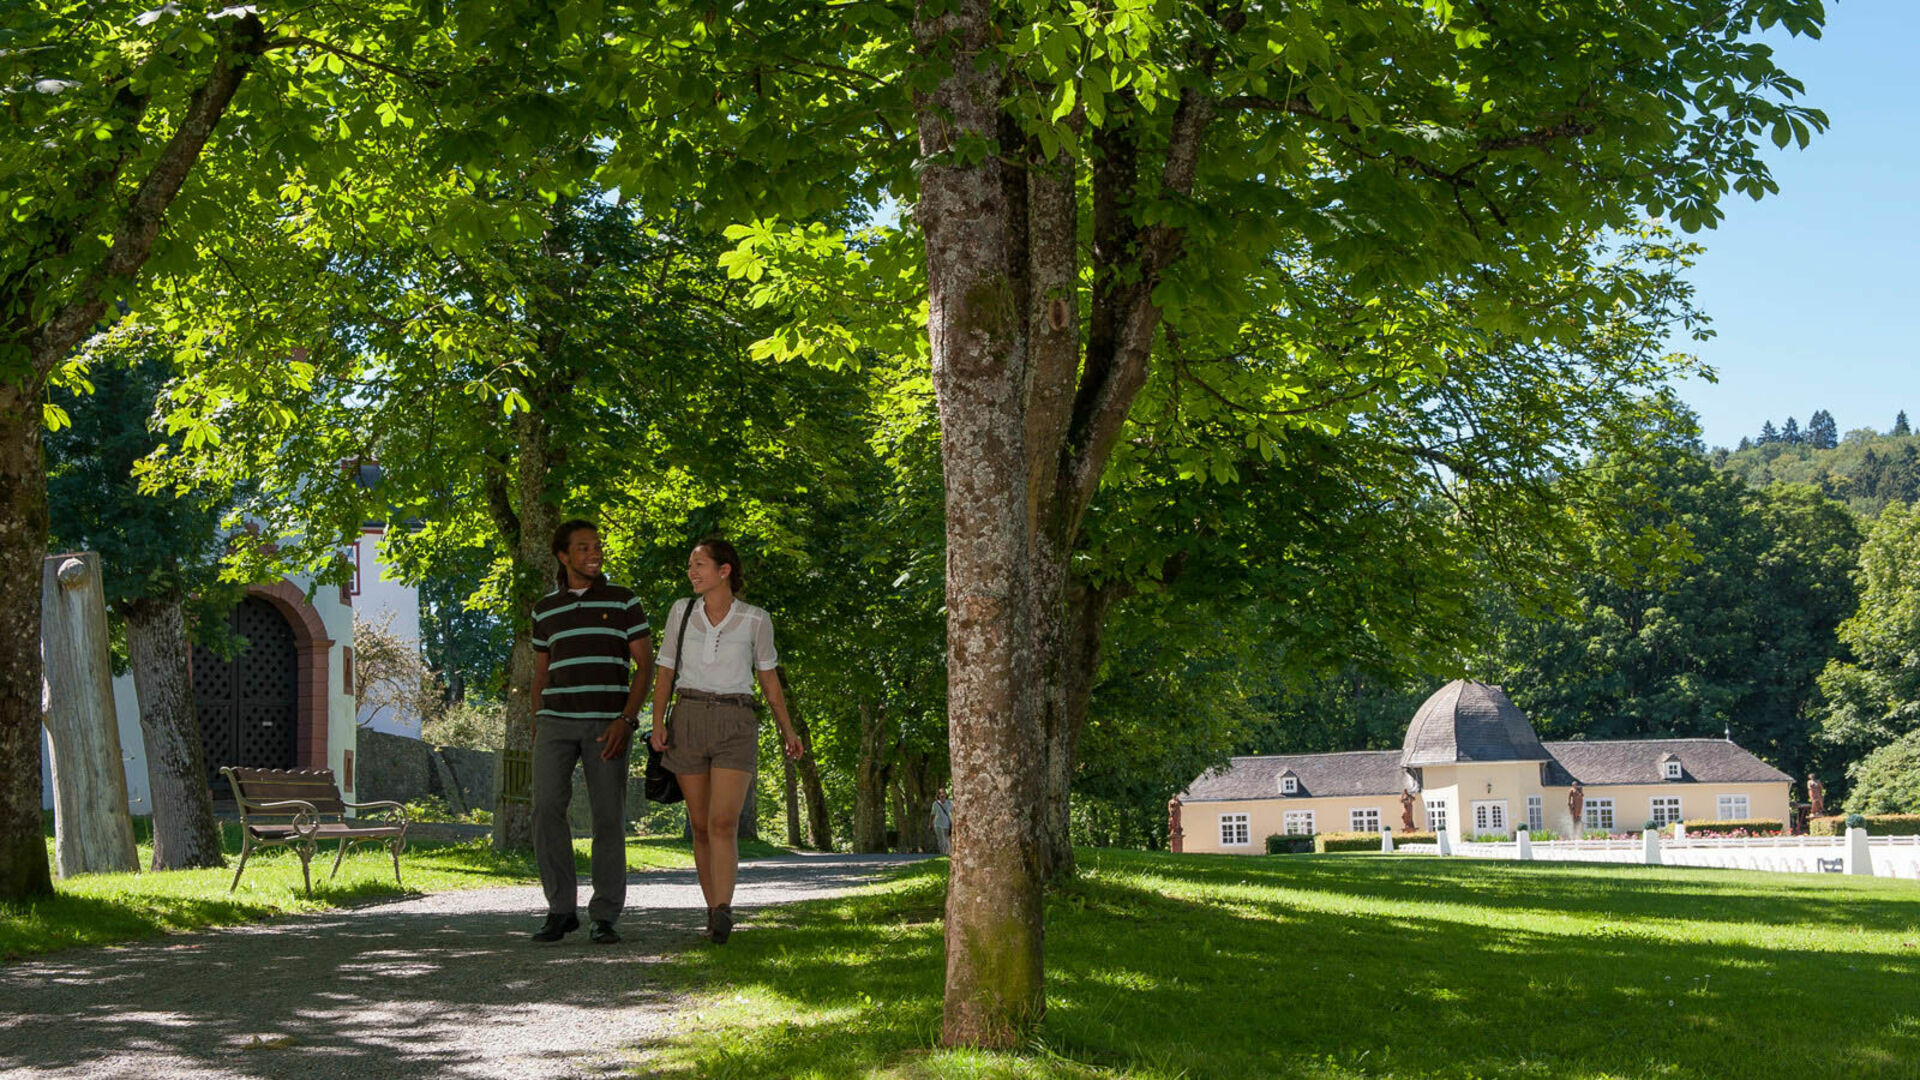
<point>1866,469</point>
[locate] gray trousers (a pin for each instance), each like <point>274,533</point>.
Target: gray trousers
<point>557,745</point>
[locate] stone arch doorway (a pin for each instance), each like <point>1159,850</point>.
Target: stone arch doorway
<point>248,706</point>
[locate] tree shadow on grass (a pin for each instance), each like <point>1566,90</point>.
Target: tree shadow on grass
<point>1684,893</point>
<point>448,986</point>
<point>1147,984</point>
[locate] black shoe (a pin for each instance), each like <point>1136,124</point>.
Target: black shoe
<point>557,927</point>
<point>602,933</point>
<point>722,922</point>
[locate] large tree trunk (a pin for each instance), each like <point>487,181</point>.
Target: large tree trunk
<point>528,524</point>
<point>24,872</point>
<point>972,213</point>
<point>916,791</point>
<point>23,482</point>
<point>870,777</point>
<point>819,826</point>
<point>185,834</point>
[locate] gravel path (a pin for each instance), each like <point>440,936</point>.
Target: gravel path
<point>443,986</point>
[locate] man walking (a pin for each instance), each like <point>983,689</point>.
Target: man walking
<point>593,661</point>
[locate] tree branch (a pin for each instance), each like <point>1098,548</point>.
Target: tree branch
<point>133,242</point>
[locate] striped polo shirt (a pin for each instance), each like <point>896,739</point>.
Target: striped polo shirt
<point>585,637</point>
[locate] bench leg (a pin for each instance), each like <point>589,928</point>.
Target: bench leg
<point>341,854</point>
<point>306,860</point>
<point>246,848</point>
<point>394,845</point>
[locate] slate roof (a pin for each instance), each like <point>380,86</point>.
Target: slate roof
<point>1361,772</point>
<point>1637,761</point>
<point>1467,722</point>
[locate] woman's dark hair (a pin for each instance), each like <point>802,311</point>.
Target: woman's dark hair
<point>563,539</point>
<point>722,552</point>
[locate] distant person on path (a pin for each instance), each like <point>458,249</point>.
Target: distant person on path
<point>942,817</point>
<point>716,646</point>
<point>592,661</point>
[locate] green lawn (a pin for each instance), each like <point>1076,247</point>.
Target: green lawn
<point>100,909</point>
<point>1345,966</point>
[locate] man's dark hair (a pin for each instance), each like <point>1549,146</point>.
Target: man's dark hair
<point>563,539</point>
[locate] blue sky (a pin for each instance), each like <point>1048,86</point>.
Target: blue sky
<point>1811,290</point>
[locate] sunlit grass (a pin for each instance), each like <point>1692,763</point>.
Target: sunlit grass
<point>99,909</point>
<point>1339,967</point>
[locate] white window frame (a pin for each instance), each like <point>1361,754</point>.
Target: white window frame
<point>353,557</point>
<point>1723,804</point>
<point>1490,816</point>
<point>1297,823</point>
<point>1363,819</point>
<point>1671,770</point>
<point>1289,785</point>
<point>1536,813</point>
<point>1235,830</point>
<point>1594,809</point>
<point>1663,810</point>
<point>1437,815</point>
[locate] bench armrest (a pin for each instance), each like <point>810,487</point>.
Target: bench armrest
<point>393,808</point>
<point>306,817</point>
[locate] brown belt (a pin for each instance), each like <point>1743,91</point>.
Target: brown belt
<point>742,700</point>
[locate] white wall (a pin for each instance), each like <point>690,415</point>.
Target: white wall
<point>382,598</point>
<point>342,728</point>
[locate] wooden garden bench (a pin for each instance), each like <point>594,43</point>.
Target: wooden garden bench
<point>298,808</point>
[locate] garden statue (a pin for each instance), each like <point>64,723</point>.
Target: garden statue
<point>1817,795</point>
<point>1576,804</point>
<point>1406,811</point>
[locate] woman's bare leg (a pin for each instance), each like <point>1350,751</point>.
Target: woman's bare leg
<point>726,795</point>
<point>697,789</point>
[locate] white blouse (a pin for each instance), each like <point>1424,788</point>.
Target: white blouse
<point>720,659</point>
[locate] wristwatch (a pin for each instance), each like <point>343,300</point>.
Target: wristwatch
<point>633,722</point>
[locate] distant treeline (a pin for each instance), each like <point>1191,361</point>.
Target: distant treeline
<point>1865,470</point>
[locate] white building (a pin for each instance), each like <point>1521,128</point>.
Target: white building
<point>288,701</point>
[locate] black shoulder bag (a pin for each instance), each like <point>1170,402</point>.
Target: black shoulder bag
<point>662,785</point>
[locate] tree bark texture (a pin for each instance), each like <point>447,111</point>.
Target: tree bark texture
<point>93,831</point>
<point>972,213</point>
<point>790,792</point>
<point>528,525</point>
<point>185,834</point>
<point>871,774</point>
<point>1079,664</point>
<point>24,872</point>
<point>819,826</point>
<point>915,788</point>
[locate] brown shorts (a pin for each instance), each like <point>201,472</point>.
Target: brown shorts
<point>707,735</point>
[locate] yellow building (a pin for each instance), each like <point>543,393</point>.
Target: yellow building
<point>1471,765</point>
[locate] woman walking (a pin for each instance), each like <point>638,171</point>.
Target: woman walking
<point>713,648</point>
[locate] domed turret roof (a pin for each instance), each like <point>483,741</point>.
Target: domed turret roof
<point>1469,721</point>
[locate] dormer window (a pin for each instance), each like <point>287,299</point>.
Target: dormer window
<point>1670,767</point>
<point>1289,784</point>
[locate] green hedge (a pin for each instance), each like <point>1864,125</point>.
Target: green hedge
<point>1289,844</point>
<point>1751,826</point>
<point>1364,841</point>
<point>1875,824</point>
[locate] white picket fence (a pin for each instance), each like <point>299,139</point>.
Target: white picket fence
<point>1856,853</point>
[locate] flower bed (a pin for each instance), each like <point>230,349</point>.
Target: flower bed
<point>1739,828</point>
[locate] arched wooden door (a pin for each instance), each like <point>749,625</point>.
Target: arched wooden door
<point>248,707</point>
